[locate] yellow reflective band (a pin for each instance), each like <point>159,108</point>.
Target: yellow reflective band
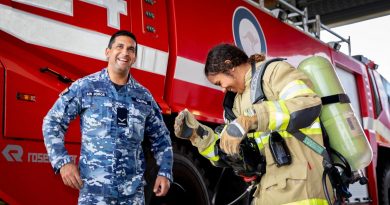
<point>261,138</point>
<point>299,93</point>
<point>285,134</point>
<point>214,159</point>
<point>264,141</point>
<point>251,135</point>
<point>309,202</point>
<point>255,134</point>
<point>210,152</point>
<point>311,131</point>
<point>290,87</point>
<point>286,115</point>
<point>293,89</point>
<point>279,116</point>
<point>272,120</point>
<point>314,129</point>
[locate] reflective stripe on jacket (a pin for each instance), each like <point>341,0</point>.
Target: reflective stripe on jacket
<point>289,100</point>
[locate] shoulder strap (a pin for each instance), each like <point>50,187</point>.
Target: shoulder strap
<point>228,102</point>
<point>257,93</point>
<point>256,89</point>
<point>341,98</point>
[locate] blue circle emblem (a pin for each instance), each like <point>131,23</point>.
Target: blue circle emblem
<point>247,32</point>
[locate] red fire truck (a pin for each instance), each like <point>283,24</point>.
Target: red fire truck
<point>46,44</point>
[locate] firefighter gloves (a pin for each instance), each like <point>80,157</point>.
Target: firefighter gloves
<point>234,133</point>
<point>185,125</point>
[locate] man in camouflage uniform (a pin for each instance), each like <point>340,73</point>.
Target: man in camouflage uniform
<point>115,113</point>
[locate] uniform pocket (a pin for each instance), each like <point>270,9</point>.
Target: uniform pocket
<point>290,182</point>
<point>137,120</point>
<point>97,115</point>
<point>277,177</point>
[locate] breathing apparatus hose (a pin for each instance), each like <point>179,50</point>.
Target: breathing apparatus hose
<point>339,179</point>
<point>325,187</point>
<point>333,172</point>
<point>344,161</point>
<point>217,187</point>
<point>248,190</point>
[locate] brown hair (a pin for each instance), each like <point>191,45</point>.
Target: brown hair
<point>225,57</point>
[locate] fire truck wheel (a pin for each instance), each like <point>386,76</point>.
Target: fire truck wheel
<point>384,187</point>
<point>190,186</point>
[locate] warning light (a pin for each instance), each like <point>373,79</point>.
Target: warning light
<point>25,97</point>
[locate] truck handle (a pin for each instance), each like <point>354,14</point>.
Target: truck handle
<point>60,77</point>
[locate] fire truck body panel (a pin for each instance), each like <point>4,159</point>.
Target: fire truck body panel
<point>383,117</point>
<point>192,50</point>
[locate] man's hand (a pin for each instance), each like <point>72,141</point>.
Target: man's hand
<point>161,186</point>
<point>71,176</point>
<point>234,133</point>
<point>185,125</point>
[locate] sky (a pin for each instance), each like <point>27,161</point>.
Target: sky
<point>370,38</point>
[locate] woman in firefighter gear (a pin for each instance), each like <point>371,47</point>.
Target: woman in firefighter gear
<point>289,104</point>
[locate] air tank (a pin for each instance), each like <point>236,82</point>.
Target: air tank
<point>345,132</point>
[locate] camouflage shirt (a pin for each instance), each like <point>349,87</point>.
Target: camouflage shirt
<point>113,125</point>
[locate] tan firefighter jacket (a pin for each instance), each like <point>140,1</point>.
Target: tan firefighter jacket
<point>289,100</point>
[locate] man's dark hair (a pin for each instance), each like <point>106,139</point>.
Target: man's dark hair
<point>123,33</point>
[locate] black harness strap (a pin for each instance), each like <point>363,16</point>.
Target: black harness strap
<point>257,93</point>
<point>256,85</point>
<point>228,102</point>
<point>341,98</point>
<point>313,145</point>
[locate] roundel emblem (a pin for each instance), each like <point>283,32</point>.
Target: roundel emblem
<point>247,32</point>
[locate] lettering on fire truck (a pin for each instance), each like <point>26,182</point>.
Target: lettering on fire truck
<point>14,153</point>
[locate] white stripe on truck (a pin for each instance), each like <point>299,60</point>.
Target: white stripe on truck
<point>56,35</point>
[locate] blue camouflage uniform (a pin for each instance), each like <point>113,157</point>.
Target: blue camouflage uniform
<point>113,125</point>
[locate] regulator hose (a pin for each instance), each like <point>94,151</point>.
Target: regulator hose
<point>325,187</point>
<point>248,190</point>
<point>217,187</point>
<point>339,175</point>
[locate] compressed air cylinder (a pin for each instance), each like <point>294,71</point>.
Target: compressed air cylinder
<point>345,132</point>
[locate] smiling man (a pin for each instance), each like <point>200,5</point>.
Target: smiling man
<point>116,115</point>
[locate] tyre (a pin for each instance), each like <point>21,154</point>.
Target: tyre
<point>384,186</point>
<point>190,186</point>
